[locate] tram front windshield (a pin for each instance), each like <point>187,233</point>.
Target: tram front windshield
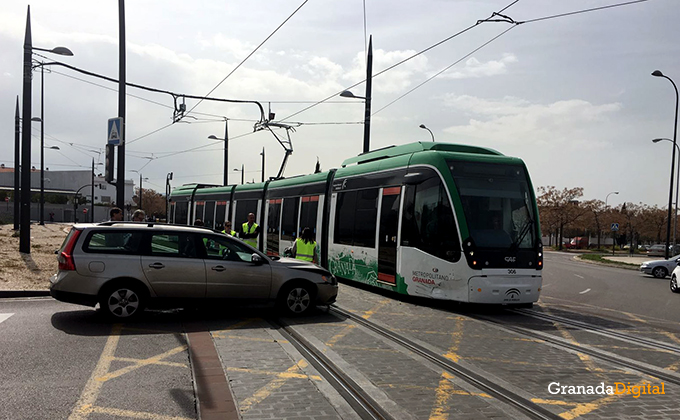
<point>497,204</point>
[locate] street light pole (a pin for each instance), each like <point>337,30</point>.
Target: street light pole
<point>25,225</point>
<point>677,186</point>
<point>42,145</point>
<point>17,145</point>
<point>242,174</point>
<point>658,73</point>
<point>140,191</point>
<point>425,128</point>
<point>120,182</point>
<point>613,232</point>
<point>226,152</point>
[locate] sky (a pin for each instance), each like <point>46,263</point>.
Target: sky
<point>572,96</point>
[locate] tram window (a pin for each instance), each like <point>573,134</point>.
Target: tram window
<point>181,211</point>
<point>243,207</point>
<point>428,222</point>
<point>344,218</point>
<point>221,213</point>
<point>355,218</point>
<point>273,214</point>
<point>310,207</point>
<point>289,218</point>
<point>200,206</point>
<point>208,216</point>
<point>365,218</point>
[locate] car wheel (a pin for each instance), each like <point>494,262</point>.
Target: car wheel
<point>122,301</point>
<point>297,299</point>
<point>659,272</point>
<point>674,284</point>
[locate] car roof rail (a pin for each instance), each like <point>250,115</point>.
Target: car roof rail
<point>115,222</point>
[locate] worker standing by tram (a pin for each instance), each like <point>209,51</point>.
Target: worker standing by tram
<point>304,247</point>
<point>228,230</point>
<point>249,231</point>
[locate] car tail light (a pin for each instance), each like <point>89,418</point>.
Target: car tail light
<point>65,257</point>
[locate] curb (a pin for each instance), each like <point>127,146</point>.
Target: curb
<point>23,293</point>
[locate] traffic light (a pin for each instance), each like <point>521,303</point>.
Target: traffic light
<point>109,171</point>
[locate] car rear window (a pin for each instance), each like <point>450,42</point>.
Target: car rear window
<point>67,239</point>
<point>113,241</point>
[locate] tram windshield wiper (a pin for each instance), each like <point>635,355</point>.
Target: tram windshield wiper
<point>522,233</point>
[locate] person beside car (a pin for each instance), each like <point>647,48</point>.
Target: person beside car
<point>249,231</point>
<point>304,247</point>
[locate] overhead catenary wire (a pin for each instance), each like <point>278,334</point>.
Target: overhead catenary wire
<point>251,54</point>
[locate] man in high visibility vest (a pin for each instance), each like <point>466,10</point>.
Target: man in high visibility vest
<point>228,230</point>
<point>304,247</point>
<point>249,231</point>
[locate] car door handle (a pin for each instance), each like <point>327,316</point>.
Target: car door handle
<point>218,268</point>
<point>157,266</point>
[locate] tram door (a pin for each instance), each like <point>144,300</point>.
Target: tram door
<point>387,243</point>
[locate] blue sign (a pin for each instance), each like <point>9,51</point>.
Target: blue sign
<point>115,131</point>
<point>615,227</point>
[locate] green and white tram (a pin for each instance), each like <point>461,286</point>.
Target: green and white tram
<point>443,221</point>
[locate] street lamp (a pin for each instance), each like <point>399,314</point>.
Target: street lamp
<point>262,154</point>
<point>242,174</point>
<point>225,181</point>
<point>658,73</point>
<point>613,232</point>
<point>425,128</point>
<point>677,185</point>
<point>25,225</point>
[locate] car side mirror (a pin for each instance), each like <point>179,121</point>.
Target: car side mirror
<point>256,259</point>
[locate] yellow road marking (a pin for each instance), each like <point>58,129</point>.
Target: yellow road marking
<point>93,386</point>
<point>134,414</point>
<point>173,364</point>
<point>272,386</point>
<point>590,365</point>
<point>287,375</point>
<point>140,363</point>
<point>671,336</point>
<point>236,326</point>
<point>442,395</point>
<point>429,388</point>
<point>553,402</point>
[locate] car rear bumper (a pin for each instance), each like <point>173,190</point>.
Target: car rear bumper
<point>77,298</point>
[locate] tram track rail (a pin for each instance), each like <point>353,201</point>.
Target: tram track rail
<point>362,403</point>
<point>525,406</point>
<point>602,331</point>
<point>620,361</point>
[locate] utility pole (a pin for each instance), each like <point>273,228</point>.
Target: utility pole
<point>17,146</point>
<point>92,191</point>
<point>369,83</point>
<point>42,145</point>
<point>262,164</point>
<point>140,190</point>
<point>120,183</point>
<point>226,152</point>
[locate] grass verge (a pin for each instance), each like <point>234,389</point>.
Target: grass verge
<point>598,258</point>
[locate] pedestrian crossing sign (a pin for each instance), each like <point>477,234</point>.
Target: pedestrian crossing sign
<point>615,227</point>
<point>115,131</point>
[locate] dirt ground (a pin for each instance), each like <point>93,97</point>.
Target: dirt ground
<point>30,271</point>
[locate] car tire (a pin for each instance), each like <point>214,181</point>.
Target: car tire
<point>674,284</point>
<point>659,272</point>
<point>296,299</point>
<point>122,301</point>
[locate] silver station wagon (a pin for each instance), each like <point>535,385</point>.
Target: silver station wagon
<point>126,267</point>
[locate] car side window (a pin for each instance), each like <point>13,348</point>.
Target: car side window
<point>225,249</point>
<point>179,245</point>
<point>113,242</point>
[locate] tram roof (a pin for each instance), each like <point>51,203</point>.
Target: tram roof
<point>393,151</point>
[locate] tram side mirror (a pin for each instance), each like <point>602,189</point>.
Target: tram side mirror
<point>414,178</point>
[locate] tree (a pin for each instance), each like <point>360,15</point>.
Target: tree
<point>561,206</point>
<point>153,202</point>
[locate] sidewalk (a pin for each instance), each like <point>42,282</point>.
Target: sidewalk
<point>635,259</point>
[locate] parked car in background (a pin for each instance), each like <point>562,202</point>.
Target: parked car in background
<point>658,250</point>
<point>660,268</point>
<point>578,243</point>
<point>125,267</point>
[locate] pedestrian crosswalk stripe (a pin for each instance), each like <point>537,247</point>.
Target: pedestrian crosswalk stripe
<point>4,317</point>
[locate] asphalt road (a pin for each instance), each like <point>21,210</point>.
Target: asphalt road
<point>608,291</point>
<point>62,361</point>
